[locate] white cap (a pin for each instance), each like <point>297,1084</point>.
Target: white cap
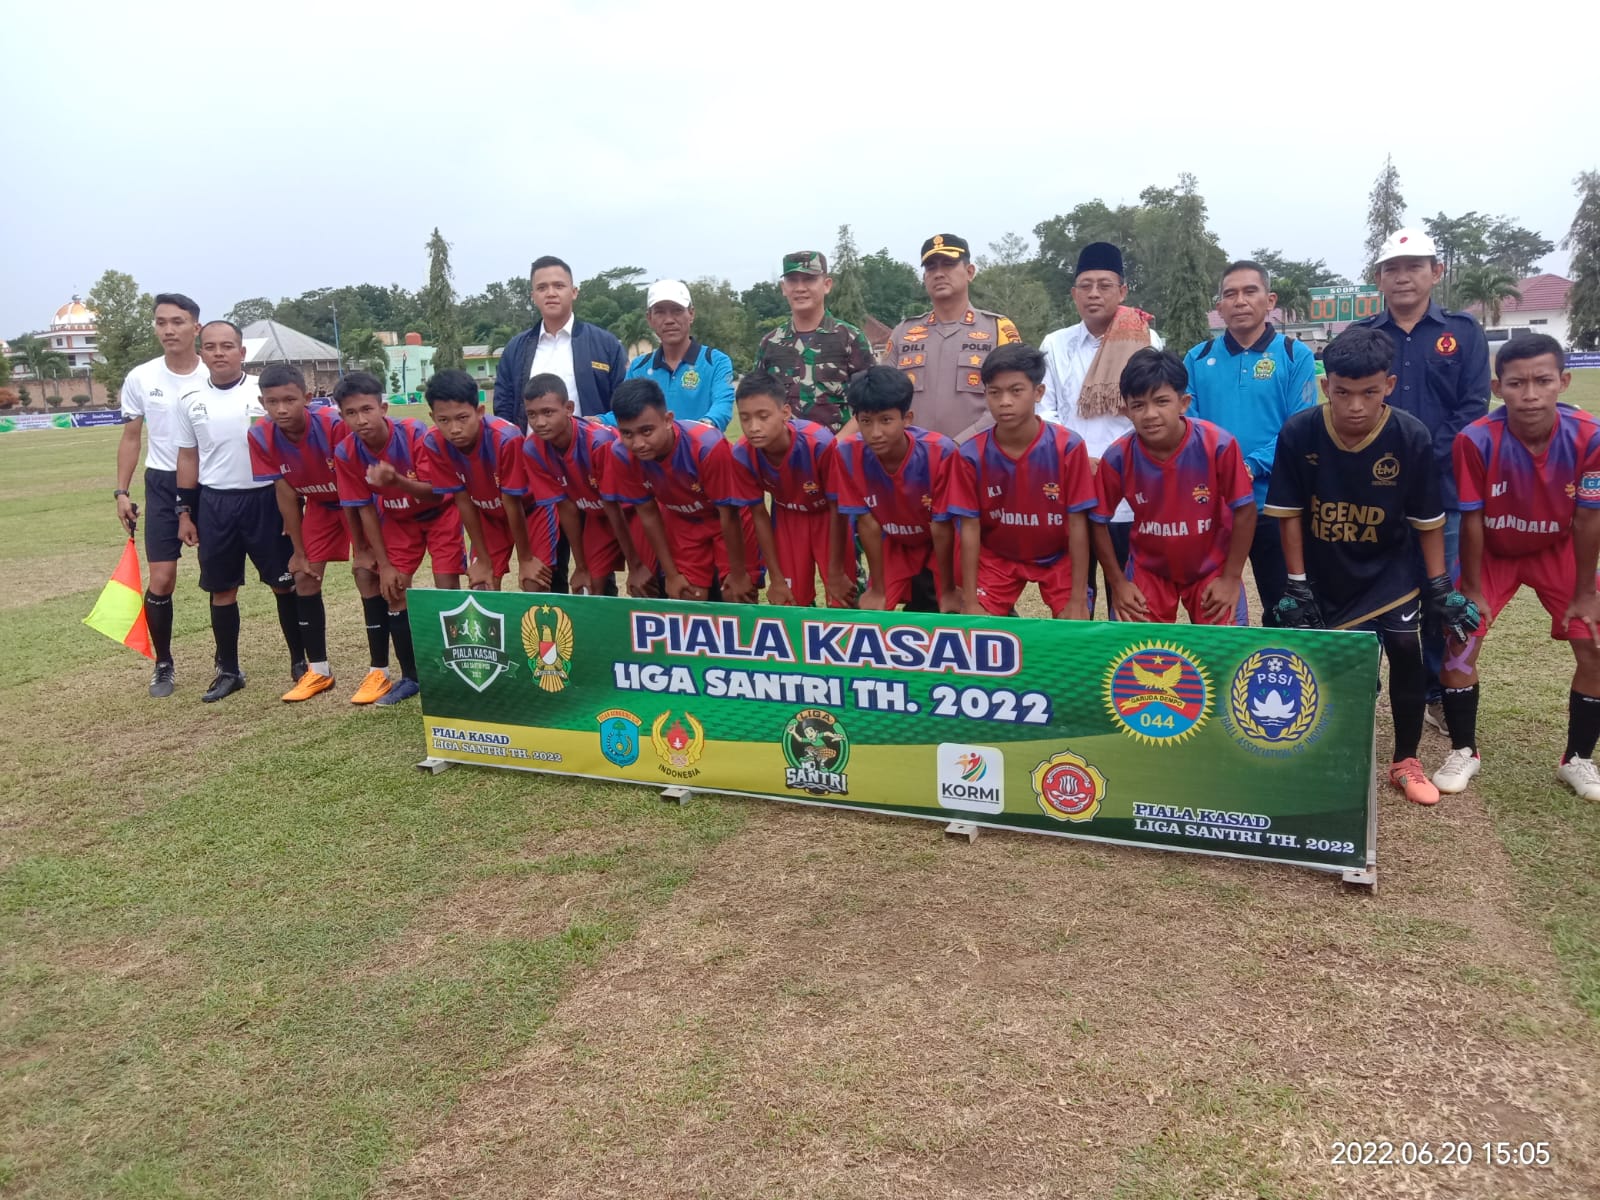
<point>1407,243</point>
<point>667,289</point>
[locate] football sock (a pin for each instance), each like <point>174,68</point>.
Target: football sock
<point>289,622</point>
<point>313,619</point>
<point>376,609</point>
<point>158,616</point>
<point>400,632</point>
<point>1461,717</point>
<point>1583,725</point>
<point>1408,689</point>
<point>225,632</point>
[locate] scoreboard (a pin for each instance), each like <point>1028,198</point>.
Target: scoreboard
<point>1344,304</point>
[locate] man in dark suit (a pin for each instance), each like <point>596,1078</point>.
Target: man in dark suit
<point>589,359</point>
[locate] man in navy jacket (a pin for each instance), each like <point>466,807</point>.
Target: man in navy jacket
<point>587,357</point>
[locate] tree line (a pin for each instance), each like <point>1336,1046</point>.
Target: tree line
<point>1172,258</point>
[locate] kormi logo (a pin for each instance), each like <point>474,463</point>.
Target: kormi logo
<point>972,778</point>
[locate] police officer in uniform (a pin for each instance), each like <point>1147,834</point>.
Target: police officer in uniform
<point>942,351</point>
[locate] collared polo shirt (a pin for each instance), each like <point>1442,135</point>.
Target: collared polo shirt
<point>1251,391</point>
<point>1441,371</point>
<point>701,389</point>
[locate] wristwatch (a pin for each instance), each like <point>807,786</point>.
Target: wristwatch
<point>119,492</point>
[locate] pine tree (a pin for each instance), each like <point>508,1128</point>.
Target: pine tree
<point>1386,210</point>
<point>1190,287</point>
<point>848,302</point>
<point>1583,239</point>
<point>439,303</point>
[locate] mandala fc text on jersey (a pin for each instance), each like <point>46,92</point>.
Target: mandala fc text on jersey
<point>801,483</point>
<point>1528,500</point>
<point>306,465</point>
<point>1358,507</point>
<point>1022,503</point>
<point>492,467</point>
<point>689,483</point>
<point>906,501</point>
<point>1182,507</point>
<point>403,451</point>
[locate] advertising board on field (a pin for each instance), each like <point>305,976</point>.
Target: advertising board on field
<point>1254,743</point>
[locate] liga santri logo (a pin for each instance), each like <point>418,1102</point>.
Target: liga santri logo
<point>547,637</point>
<point>817,750</point>
<point>475,644</point>
<point>1275,706</point>
<point>971,778</point>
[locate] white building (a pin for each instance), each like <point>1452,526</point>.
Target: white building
<point>72,333</point>
<point>1542,309</point>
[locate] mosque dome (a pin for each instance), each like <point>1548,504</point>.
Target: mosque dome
<point>74,312</point>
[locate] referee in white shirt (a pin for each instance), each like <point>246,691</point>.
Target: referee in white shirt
<point>224,510</point>
<point>1098,290</point>
<point>149,400</point>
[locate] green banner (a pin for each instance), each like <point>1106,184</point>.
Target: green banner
<point>1249,742</point>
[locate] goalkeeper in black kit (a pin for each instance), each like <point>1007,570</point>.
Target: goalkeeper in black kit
<point>1356,494</point>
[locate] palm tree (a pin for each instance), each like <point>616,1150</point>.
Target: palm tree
<point>365,351</point>
<point>1488,285</point>
<point>42,362</point>
<point>1294,297</point>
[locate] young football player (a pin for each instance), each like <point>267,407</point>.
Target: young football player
<point>679,478</point>
<point>793,460</point>
<point>1529,479</point>
<point>1355,490</point>
<point>894,478</point>
<point>1194,512</point>
<point>379,471</point>
<point>1022,490</point>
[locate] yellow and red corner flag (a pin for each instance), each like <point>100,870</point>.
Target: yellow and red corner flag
<point>119,613</point>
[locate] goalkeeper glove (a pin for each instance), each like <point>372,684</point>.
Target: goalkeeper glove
<point>1454,612</point>
<point>1298,609</point>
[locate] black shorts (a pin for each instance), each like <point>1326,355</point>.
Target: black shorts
<point>234,524</point>
<point>160,516</point>
<point>1363,616</point>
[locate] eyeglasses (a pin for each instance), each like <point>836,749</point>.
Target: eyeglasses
<point>1094,287</point>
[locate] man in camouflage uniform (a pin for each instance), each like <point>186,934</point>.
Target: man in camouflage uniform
<point>814,353</point>
<point>942,351</point>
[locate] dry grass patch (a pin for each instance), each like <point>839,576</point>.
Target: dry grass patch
<point>877,1012</point>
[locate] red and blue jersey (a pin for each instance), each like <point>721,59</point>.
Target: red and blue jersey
<point>800,483</point>
<point>403,451</point>
<point>1528,500</point>
<point>306,465</point>
<point>906,501</point>
<point>688,484</point>
<point>1183,506</point>
<point>492,467</point>
<point>1022,503</point>
<point>574,472</point>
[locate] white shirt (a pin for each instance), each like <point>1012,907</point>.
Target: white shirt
<point>151,391</point>
<point>1068,355</point>
<point>553,355</point>
<point>217,422</point>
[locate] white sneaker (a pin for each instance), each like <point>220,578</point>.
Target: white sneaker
<point>1458,769</point>
<point>1581,775</point>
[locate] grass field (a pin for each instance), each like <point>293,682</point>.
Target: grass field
<point>246,950</point>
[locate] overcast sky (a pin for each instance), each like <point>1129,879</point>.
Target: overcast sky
<point>265,149</point>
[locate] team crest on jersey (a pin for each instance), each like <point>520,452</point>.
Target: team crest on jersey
<point>694,486</point>
<point>691,378</point>
<point>1201,494</point>
<point>330,464</point>
<point>1570,488</point>
<point>619,736</point>
<point>927,503</point>
<point>810,488</point>
<point>1052,491</point>
<point>1265,367</point>
<point>1157,694</point>
<point>1275,707</point>
<point>548,639</point>
<point>1386,470</point>
<point>1447,344</point>
<point>678,747</point>
<point>475,644</point>
<point>1068,787</point>
<point>817,750</point>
